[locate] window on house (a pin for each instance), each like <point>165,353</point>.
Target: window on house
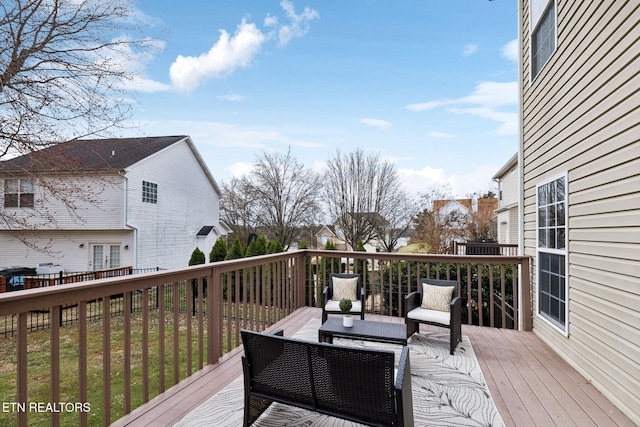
<point>149,192</point>
<point>543,35</point>
<point>552,236</point>
<point>18,193</point>
<point>114,256</point>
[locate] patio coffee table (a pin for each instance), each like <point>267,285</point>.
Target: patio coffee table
<point>368,330</point>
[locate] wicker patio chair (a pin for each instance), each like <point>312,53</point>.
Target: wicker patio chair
<point>341,285</point>
<point>441,307</point>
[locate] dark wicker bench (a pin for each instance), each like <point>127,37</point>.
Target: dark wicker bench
<point>351,383</point>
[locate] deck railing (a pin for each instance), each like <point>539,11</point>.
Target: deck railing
<point>174,322</point>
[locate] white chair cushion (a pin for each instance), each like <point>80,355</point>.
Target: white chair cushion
<point>344,288</point>
<point>436,297</point>
<point>435,316</point>
<point>356,306</point>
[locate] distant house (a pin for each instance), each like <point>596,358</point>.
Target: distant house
<point>328,233</point>
<point>507,221</point>
<point>460,210</point>
<point>333,233</point>
<point>146,202</point>
<point>580,159</point>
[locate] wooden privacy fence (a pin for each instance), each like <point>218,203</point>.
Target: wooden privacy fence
<point>175,322</point>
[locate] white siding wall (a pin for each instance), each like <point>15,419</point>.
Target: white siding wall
<point>166,231</point>
<point>98,201</point>
<point>582,117</point>
<point>510,189</point>
<point>65,248</point>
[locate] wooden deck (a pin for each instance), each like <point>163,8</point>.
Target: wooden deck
<point>530,384</point>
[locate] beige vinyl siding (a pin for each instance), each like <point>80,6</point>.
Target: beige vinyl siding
<point>581,116</point>
<point>513,226</point>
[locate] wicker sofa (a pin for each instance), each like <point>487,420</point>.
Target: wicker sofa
<point>345,382</point>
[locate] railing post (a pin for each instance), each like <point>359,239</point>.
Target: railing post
<point>214,317</point>
<point>525,294</point>
<point>301,287</point>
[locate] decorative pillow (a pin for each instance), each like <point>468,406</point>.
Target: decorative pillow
<point>344,288</point>
<point>436,297</point>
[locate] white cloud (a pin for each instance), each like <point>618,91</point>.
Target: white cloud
<point>423,106</point>
<point>227,54</point>
<point>469,49</point>
<point>239,169</point>
<point>270,21</point>
<point>133,62</point>
<point>419,181</point>
<point>381,124</point>
<point>232,97</point>
<point>435,134</point>
<point>422,180</point>
<point>225,135</point>
<point>489,100</point>
<point>510,51</point>
<point>492,94</point>
<point>298,25</point>
<point>238,51</point>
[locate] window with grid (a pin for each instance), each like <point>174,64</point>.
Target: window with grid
<point>543,37</point>
<point>552,237</point>
<point>114,256</point>
<point>149,192</point>
<point>18,193</point>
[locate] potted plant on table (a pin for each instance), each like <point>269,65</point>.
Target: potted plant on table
<point>345,307</point>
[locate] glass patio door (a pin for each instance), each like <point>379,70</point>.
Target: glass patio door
<point>104,256</point>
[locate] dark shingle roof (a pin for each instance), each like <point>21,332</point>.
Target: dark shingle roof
<point>89,155</point>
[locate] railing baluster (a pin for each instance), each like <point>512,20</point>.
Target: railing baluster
<point>161,337</point>
<point>22,374</point>
<point>176,332</point>
<point>127,352</point>
<point>54,348</point>
<point>189,319</point>
<point>106,361</point>
<point>145,343</point>
<point>469,296</point>
<point>83,383</point>
<point>210,289</point>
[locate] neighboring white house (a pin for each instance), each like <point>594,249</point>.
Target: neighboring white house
<point>508,198</point>
<point>144,202</point>
<point>334,234</point>
<point>580,160</point>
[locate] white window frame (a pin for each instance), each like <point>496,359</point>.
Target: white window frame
<point>564,329</point>
<point>24,187</point>
<point>535,23</point>
<point>110,255</point>
<point>149,192</point>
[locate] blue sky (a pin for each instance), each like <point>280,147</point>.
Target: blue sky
<point>431,85</point>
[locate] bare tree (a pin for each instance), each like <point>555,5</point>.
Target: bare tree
<point>361,191</point>
<point>482,221</point>
<point>65,69</point>
<point>434,230</point>
<point>237,208</point>
<point>279,197</point>
<point>399,218</point>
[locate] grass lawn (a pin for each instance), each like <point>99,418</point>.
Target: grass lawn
<point>39,372</point>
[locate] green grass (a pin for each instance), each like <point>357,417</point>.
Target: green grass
<point>39,371</point>
<point>38,363</point>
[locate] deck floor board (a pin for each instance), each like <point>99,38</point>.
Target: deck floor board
<point>530,384</point>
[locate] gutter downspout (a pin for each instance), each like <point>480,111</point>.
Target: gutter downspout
<point>126,219</point>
